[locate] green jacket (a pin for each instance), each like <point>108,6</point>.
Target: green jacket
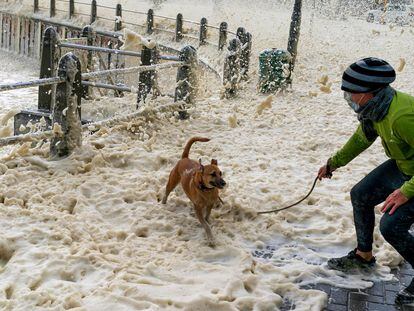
<point>397,136</point>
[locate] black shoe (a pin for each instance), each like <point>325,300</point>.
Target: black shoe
<point>351,262</point>
<point>404,297</point>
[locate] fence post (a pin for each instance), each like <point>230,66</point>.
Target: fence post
<point>179,27</point>
<point>94,11</point>
<point>118,17</point>
<point>88,33</point>
<point>35,6</point>
<point>222,36</point>
<point>71,8</point>
<point>241,35</point>
<point>48,68</point>
<point>294,32</point>
<point>248,54</point>
<point>187,84</point>
<point>52,8</point>
<point>150,21</point>
<point>118,58</point>
<point>231,74</point>
<point>147,79</point>
<point>66,120</point>
<point>203,31</point>
<point>244,38</point>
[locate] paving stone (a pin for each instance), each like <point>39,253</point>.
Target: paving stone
<point>390,297</point>
<point>323,287</point>
<point>377,289</point>
<point>335,307</point>
<point>287,306</point>
<point>380,307</point>
<point>355,304</point>
<point>392,286</point>
<point>408,308</point>
<point>309,286</point>
<point>358,296</point>
<point>406,270</point>
<point>406,279</point>
<point>339,296</point>
<point>375,299</point>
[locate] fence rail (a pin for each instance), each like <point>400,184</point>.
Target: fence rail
<point>62,84</point>
<point>33,83</point>
<point>149,24</point>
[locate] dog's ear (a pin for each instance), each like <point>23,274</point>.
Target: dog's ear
<point>214,162</point>
<point>201,169</point>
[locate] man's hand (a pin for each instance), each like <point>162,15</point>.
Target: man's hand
<point>325,171</point>
<point>394,201</point>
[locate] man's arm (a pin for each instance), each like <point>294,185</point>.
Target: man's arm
<point>404,130</point>
<point>354,146</point>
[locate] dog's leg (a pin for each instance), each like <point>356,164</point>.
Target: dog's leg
<point>208,212</point>
<point>199,213</point>
<point>173,181</point>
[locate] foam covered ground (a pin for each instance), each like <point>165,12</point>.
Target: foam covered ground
<point>89,233</point>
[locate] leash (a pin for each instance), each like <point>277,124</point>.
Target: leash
<point>294,204</point>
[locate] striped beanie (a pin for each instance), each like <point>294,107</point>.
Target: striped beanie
<point>367,75</point>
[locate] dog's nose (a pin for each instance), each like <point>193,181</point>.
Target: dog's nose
<point>222,183</point>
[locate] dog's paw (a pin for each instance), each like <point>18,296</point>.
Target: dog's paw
<point>211,243</point>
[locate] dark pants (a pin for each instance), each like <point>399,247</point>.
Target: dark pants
<point>373,190</point>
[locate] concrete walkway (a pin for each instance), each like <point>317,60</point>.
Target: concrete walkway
<point>380,297</point>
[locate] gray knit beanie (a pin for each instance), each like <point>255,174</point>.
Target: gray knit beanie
<point>367,75</point>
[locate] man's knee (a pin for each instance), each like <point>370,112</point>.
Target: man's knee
<point>357,195</point>
<point>388,227</point>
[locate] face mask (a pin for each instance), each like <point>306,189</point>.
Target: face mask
<point>348,97</point>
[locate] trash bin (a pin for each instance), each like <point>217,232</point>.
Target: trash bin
<point>274,70</point>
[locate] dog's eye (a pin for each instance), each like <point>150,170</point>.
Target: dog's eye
<point>213,174</point>
<point>221,173</point>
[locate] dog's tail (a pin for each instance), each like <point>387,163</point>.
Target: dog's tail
<point>190,143</point>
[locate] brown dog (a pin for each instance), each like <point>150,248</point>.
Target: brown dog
<point>200,183</point>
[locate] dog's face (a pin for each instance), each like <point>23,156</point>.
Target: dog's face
<point>211,175</point>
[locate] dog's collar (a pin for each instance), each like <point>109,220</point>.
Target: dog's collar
<point>203,187</point>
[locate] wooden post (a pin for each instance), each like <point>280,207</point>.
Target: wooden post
<point>32,38</point>
<point>48,69</point>
<point>231,73</point>
<point>118,58</point>
<point>294,32</point>
<point>93,11</point>
<point>118,17</point>
<point>241,35</point>
<point>244,53</point>
<point>187,84</point>
<point>52,8</point>
<point>22,35</point>
<point>71,8</point>
<point>66,117</point>
<point>150,21</point>
<point>1,29</point>
<point>88,33</point>
<point>179,27</point>
<point>9,32</point>
<point>38,39</point>
<point>203,31</point>
<point>35,6</point>
<point>247,54</point>
<point>147,79</point>
<point>222,36</point>
<point>110,46</point>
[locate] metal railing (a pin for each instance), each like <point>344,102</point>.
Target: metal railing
<point>149,25</point>
<point>63,85</point>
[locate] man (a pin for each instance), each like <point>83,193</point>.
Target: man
<point>389,114</point>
